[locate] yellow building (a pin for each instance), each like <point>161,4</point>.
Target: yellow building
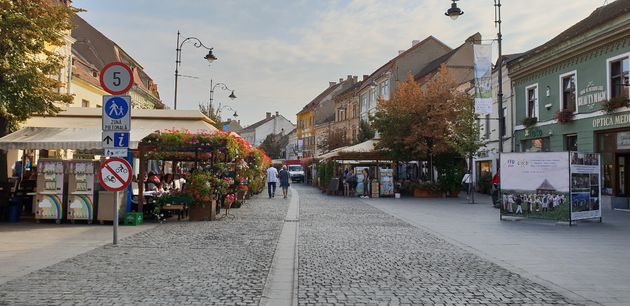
<point>306,131</point>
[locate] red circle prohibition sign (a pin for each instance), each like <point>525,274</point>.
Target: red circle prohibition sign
<point>115,174</point>
<point>109,85</point>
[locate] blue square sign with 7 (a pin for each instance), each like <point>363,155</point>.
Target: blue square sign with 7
<point>115,139</point>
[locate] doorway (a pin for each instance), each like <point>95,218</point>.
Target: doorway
<point>622,174</point>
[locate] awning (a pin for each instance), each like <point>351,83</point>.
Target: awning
<point>81,128</point>
<point>38,138</point>
<point>361,151</point>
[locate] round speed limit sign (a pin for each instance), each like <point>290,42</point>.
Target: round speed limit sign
<point>116,78</point>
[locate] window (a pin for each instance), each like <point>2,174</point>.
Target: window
<point>85,103</point>
<point>568,97</point>
<point>354,133</point>
<point>364,103</point>
<point>384,89</point>
<point>570,142</point>
<point>354,110</point>
<point>619,80</point>
<point>372,98</point>
<point>532,101</point>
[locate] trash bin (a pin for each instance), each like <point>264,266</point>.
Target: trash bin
<point>13,213</point>
<point>133,218</point>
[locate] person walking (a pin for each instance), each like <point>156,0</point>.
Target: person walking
<point>283,175</point>
<point>366,184</point>
<point>466,180</point>
<point>272,179</point>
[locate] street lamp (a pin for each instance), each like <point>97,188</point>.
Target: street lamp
<point>178,58</point>
<point>455,12</point>
<point>223,87</point>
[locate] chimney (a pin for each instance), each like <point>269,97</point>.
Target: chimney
<point>268,115</point>
<point>400,52</point>
<point>330,84</point>
<point>356,78</point>
<point>414,42</point>
<point>276,113</point>
<point>365,77</point>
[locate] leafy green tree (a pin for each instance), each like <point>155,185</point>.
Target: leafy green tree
<point>274,145</point>
<point>366,132</point>
<point>30,31</point>
<point>211,113</point>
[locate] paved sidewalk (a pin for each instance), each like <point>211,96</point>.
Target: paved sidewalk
<point>352,253</point>
<point>28,247</point>
<point>588,261</point>
<point>223,262</point>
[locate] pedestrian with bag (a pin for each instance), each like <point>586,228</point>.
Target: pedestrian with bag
<point>283,175</point>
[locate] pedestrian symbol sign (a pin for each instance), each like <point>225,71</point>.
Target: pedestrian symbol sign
<point>116,113</point>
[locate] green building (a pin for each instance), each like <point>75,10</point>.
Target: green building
<point>571,94</point>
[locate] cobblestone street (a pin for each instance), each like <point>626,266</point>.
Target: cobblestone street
<point>353,253</point>
<point>349,252</point>
<point>223,262</point>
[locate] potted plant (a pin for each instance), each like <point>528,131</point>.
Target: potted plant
<point>529,121</point>
<point>426,190</point>
<point>564,116</point>
<point>200,188</point>
<point>610,105</point>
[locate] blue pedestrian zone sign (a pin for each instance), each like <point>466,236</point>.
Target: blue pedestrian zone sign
<point>116,113</point>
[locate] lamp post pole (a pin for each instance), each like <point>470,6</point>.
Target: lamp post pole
<point>178,58</point>
<point>455,12</point>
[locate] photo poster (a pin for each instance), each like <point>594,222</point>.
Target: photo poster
<point>358,171</point>
<point>535,185</point>
<point>585,185</point>
<point>387,182</point>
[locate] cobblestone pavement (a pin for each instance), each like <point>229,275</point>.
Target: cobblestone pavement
<point>223,262</point>
<point>353,253</point>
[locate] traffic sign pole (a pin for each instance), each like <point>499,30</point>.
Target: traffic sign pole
<point>116,212</point>
<point>115,174</point>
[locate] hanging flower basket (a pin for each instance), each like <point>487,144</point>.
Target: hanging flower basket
<point>564,116</point>
<point>610,105</point>
<point>529,121</point>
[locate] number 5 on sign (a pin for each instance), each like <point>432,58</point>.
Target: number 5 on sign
<point>116,78</point>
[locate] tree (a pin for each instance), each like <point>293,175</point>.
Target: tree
<point>420,122</point>
<point>211,113</point>
<point>366,132</point>
<point>332,140</point>
<point>30,31</point>
<point>274,145</point>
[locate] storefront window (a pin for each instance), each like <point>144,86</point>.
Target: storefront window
<point>606,146</point>
<point>536,145</point>
<point>570,142</point>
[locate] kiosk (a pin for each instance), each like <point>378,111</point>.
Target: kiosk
<point>49,190</point>
<point>80,190</point>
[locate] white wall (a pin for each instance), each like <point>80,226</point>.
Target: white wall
<point>274,126</point>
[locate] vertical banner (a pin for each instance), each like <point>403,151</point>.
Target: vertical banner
<point>483,78</point>
<point>536,185</point>
<point>585,186</point>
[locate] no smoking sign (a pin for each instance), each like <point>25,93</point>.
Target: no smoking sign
<point>115,174</point>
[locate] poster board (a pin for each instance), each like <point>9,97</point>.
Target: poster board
<point>551,185</point>
<point>386,182</point>
<point>585,186</point>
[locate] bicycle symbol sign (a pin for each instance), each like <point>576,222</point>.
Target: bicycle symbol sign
<point>115,174</point>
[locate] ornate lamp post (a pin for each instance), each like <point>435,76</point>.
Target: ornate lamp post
<point>455,12</point>
<point>231,96</point>
<point>178,58</point>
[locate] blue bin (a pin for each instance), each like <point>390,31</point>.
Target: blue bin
<point>13,214</point>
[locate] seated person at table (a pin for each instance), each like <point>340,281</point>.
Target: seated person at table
<point>153,183</point>
<point>167,182</point>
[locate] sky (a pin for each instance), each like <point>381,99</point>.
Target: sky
<point>279,55</point>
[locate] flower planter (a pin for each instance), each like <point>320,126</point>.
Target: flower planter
<point>426,193</point>
<point>207,212</point>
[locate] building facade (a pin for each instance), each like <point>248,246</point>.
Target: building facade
<point>272,124</point>
<point>577,87</point>
<point>347,112</point>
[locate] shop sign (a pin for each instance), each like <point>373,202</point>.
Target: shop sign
<point>623,140</point>
<point>611,120</point>
<point>533,133</point>
<point>591,95</point>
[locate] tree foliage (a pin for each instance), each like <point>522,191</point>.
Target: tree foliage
<point>274,145</point>
<point>366,132</point>
<point>30,31</point>
<point>333,139</point>
<point>421,122</point>
<point>210,112</point>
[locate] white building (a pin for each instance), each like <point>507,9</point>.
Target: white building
<point>272,124</point>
